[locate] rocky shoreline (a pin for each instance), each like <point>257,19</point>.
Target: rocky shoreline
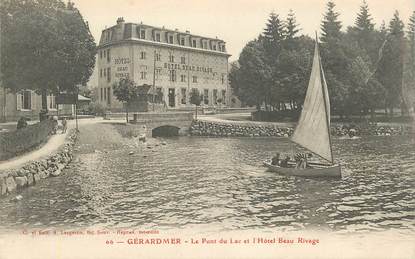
<point>220,129</point>
<point>33,172</point>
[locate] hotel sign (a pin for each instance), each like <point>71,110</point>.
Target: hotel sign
<point>188,67</point>
<point>122,67</point>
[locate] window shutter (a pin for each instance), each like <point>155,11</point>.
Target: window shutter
<point>32,100</point>
<point>18,101</point>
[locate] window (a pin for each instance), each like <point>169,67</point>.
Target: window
<point>158,56</point>
<point>214,47</point>
<point>142,55</point>
<point>143,34</point>
<point>100,54</point>
<point>24,100</point>
<point>183,78</point>
<point>51,102</point>
<point>171,58</point>
<point>105,72</point>
<point>105,94</point>
<point>109,95</point>
<point>172,75</point>
<point>143,75</point>
<point>109,74</point>
<point>158,37</point>
<point>105,53</point>
<point>206,96</point>
<point>183,95</point>
<point>204,45</point>
<point>171,39</point>
<point>102,94</point>
<point>182,41</point>
<point>223,78</point>
<point>194,43</point>
<point>158,73</point>
<point>215,96</point>
<point>100,73</point>
<point>223,96</point>
<point>159,95</point>
<point>183,60</point>
<point>108,56</point>
<point>194,79</point>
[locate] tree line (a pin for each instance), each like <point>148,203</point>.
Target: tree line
<point>366,67</point>
<point>45,46</point>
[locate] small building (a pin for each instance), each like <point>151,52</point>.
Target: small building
<point>28,104</point>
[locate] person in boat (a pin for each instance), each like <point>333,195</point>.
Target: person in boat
<point>284,162</point>
<point>276,159</point>
<point>301,160</point>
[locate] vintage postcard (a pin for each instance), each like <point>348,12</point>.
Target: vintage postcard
<point>207,129</point>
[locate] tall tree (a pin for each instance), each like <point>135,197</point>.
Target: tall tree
<point>291,26</point>
<point>408,87</point>
<point>46,46</point>
<point>251,78</point>
<point>331,26</point>
<point>274,29</point>
<point>364,20</point>
<point>391,65</point>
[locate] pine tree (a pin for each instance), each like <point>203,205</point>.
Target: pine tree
<point>274,30</point>
<point>364,20</point>
<point>331,26</point>
<point>396,26</point>
<point>411,28</point>
<point>291,26</point>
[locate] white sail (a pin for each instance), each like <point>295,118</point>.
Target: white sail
<point>313,129</point>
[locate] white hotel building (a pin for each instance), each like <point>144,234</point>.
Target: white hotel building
<point>175,61</point>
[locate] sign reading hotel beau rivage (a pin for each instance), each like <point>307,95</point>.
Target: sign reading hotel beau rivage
<point>122,71</point>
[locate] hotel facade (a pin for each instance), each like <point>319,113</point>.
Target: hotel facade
<point>170,61</point>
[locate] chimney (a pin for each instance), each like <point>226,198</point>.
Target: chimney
<point>120,20</point>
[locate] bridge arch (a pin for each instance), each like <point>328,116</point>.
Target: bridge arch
<point>165,131</point>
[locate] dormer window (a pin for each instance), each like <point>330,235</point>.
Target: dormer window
<point>171,39</point>
<point>142,34</point>
<point>182,41</point>
<point>158,37</point>
<point>194,43</point>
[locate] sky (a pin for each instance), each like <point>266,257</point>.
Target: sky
<point>234,21</point>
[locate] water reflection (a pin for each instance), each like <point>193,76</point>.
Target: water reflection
<point>219,184</point>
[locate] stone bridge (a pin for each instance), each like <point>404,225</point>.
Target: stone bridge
<point>163,124</point>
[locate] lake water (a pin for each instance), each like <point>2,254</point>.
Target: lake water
<point>219,184</point>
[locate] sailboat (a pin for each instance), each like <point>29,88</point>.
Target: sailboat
<point>313,129</point>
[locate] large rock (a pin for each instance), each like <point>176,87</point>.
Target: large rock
<point>11,184</point>
<point>21,181</point>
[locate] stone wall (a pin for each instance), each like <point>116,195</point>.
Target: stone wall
<point>234,129</point>
<point>19,141</point>
<point>216,129</point>
<point>33,172</point>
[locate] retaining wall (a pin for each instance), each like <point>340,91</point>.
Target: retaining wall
<point>33,172</point>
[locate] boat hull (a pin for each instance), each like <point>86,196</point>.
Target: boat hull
<point>333,171</point>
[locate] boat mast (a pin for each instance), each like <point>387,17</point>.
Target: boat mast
<point>325,97</point>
